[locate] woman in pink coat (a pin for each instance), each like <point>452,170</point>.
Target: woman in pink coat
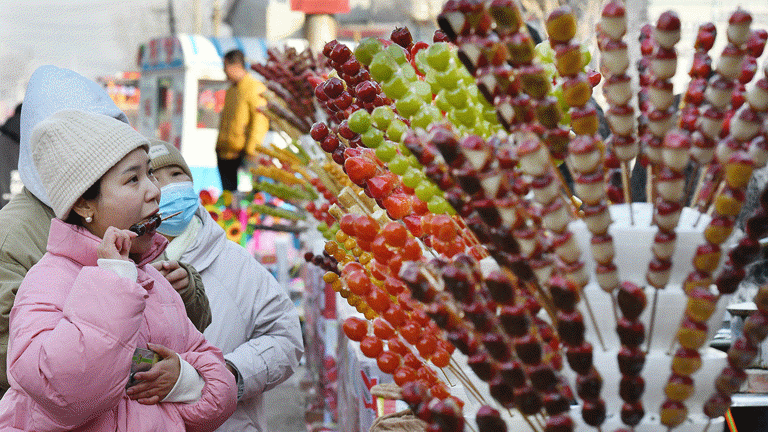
<point>92,300</point>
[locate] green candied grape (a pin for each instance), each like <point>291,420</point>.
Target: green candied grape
<point>396,87</point>
<point>412,177</point>
<point>586,56</point>
<point>474,92</point>
<point>466,78</point>
<point>409,73</point>
<point>382,116</point>
<point>422,90</point>
<point>441,101</point>
<point>386,151</point>
<point>398,164</point>
<point>396,53</point>
<point>482,128</point>
<point>359,121</point>
<point>322,227</point>
<point>544,52</point>
<point>372,138</point>
<point>439,205</point>
<point>328,235</point>
<point>431,78</point>
<point>409,104</point>
<point>366,49</point>
<point>425,117</point>
<point>382,67</point>
<point>420,61</point>
<point>490,116</point>
<point>557,91</point>
<point>425,190</point>
<point>439,56</point>
<point>565,119</point>
<point>550,70</point>
<point>396,130</point>
<point>413,161</point>
<point>404,150</point>
<point>466,116</point>
<point>449,79</point>
<point>457,97</point>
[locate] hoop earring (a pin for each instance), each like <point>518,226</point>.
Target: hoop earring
<point>88,219</point>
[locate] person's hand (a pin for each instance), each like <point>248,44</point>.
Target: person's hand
<point>116,244</point>
<point>155,384</point>
<point>176,275</point>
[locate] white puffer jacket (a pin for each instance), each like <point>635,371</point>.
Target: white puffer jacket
<point>254,322</point>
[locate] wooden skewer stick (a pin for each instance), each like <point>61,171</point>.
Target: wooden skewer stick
<point>653,319</point>
<point>467,383</point>
<point>627,191</point>
<point>472,428</point>
<point>569,196</point>
<point>471,391</point>
<point>530,424</point>
<point>706,427</point>
<point>649,183</point>
<point>594,322</point>
<point>446,377</point>
<point>615,307</point>
<point>718,192</point>
<point>699,183</point>
<point>672,346</point>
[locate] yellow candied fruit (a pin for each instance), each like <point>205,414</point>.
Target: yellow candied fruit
<point>330,277</point>
<point>350,244</point>
<point>364,258</point>
<point>339,255</point>
<point>337,285</point>
<point>331,247</point>
<point>378,283</point>
<point>347,259</point>
<point>357,251</point>
<point>341,236</point>
<point>370,314</point>
<point>345,293</point>
<point>361,307</point>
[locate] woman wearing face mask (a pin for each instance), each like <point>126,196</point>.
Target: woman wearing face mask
<point>92,300</point>
<point>254,322</point>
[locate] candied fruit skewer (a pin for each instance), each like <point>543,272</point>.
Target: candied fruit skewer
<point>701,303</point>
<point>534,162</point>
<point>477,312</point>
<point>674,155</point>
<point>702,149</point>
<point>618,92</point>
<point>740,355</point>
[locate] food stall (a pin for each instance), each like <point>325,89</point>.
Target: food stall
<point>182,89</point>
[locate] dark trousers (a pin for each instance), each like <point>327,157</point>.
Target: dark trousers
<point>228,172</point>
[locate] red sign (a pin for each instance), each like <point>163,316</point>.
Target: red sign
<point>320,6</point>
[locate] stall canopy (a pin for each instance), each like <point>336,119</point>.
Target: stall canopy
<point>197,51</point>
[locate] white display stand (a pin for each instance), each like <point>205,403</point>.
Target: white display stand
<point>632,244</point>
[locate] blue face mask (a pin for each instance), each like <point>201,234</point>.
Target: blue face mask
<point>177,197</point>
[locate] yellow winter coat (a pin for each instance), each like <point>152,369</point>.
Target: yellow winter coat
<point>242,127</point>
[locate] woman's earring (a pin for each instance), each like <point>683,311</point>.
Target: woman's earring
<point>88,219</point>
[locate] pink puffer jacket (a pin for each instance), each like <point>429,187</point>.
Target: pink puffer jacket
<point>74,328</point>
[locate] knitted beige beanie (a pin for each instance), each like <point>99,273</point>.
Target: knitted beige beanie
<point>163,154</point>
<point>73,149</point>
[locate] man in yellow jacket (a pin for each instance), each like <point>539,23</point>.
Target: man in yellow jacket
<point>242,127</point>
